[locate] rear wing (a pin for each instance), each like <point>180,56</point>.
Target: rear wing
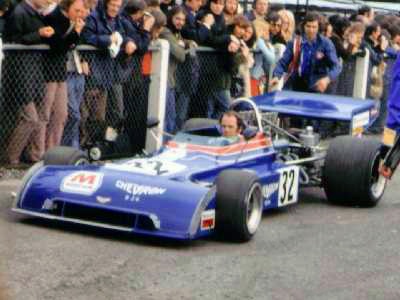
<point>358,113</point>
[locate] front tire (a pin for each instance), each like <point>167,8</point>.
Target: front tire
<point>239,204</point>
<point>63,155</point>
<point>350,173</point>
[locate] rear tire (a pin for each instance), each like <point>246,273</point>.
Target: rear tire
<point>239,204</point>
<point>198,123</point>
<point>350,174</point>
<point>63,155</point>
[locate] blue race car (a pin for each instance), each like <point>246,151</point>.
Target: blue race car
<point>198,183</point>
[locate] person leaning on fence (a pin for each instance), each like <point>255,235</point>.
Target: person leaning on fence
<point>104,29</point>
<point>77,71</point>
<point>137,130</point>
<point>309,60</point>
<point>22,81</point>
<point>219,75</point>
<point>67,19</point>
<point>195,29</point>
<point>139,24</point>
<point>244,30</point>
<point>138,28</point>
<point>172,33</point>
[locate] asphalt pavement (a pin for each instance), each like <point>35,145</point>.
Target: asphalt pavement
<point>313,250</point>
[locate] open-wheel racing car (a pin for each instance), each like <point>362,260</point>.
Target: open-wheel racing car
<point>199,183</point>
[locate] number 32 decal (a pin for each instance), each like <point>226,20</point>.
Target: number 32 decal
<point>288,186</point>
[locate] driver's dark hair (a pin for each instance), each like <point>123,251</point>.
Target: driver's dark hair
<point>239,121</point>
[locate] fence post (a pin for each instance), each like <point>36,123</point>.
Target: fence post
<point>361,76</point>
<point>157,93</point>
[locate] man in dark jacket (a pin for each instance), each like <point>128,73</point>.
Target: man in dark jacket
<point>220,65</point>
<point>23,75</point>
<point>194,29</point>
<point>139,24</point>
<point>105,30</point>
<point>317,63</point>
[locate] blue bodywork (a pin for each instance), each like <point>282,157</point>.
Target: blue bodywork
<point>172,193</point>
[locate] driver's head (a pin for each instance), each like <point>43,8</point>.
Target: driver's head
<point>231,124</point>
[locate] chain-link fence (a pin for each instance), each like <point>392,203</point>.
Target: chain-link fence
<point>110,93</point>
<point>42,106</point>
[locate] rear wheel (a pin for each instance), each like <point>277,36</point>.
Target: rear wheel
<point>350,174</point>
<point>63,155</point>
<point>239,204</point>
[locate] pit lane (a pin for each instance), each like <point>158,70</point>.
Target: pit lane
<point>313,250</point>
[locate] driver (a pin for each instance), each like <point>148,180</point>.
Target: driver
<point>232,126</point>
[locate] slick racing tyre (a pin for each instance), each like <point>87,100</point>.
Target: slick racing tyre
<point>198,123</point>
<point>350,174</point>
<point>239,204</point>
<point>63,155</point>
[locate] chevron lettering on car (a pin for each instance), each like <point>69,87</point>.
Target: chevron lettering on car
<point>139,189</point>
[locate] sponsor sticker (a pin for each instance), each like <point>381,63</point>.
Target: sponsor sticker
<point>134,190</point>
<point>82,182</point>
<point>207,220</point>
<point>269,189</point>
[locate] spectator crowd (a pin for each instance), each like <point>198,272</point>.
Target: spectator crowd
<point>57,97</point>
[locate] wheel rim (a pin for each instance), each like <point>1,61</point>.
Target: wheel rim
<point>81,161</point>
<point>254,208</point>
<point>377,181</point>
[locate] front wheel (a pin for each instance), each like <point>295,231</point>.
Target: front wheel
<point>239,204</point>
<point>350,173</point>
<point>63,155</point>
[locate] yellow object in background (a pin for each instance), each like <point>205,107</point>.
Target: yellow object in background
<point>389,137</point>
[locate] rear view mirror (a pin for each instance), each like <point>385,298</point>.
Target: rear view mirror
<point>152,122</point>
